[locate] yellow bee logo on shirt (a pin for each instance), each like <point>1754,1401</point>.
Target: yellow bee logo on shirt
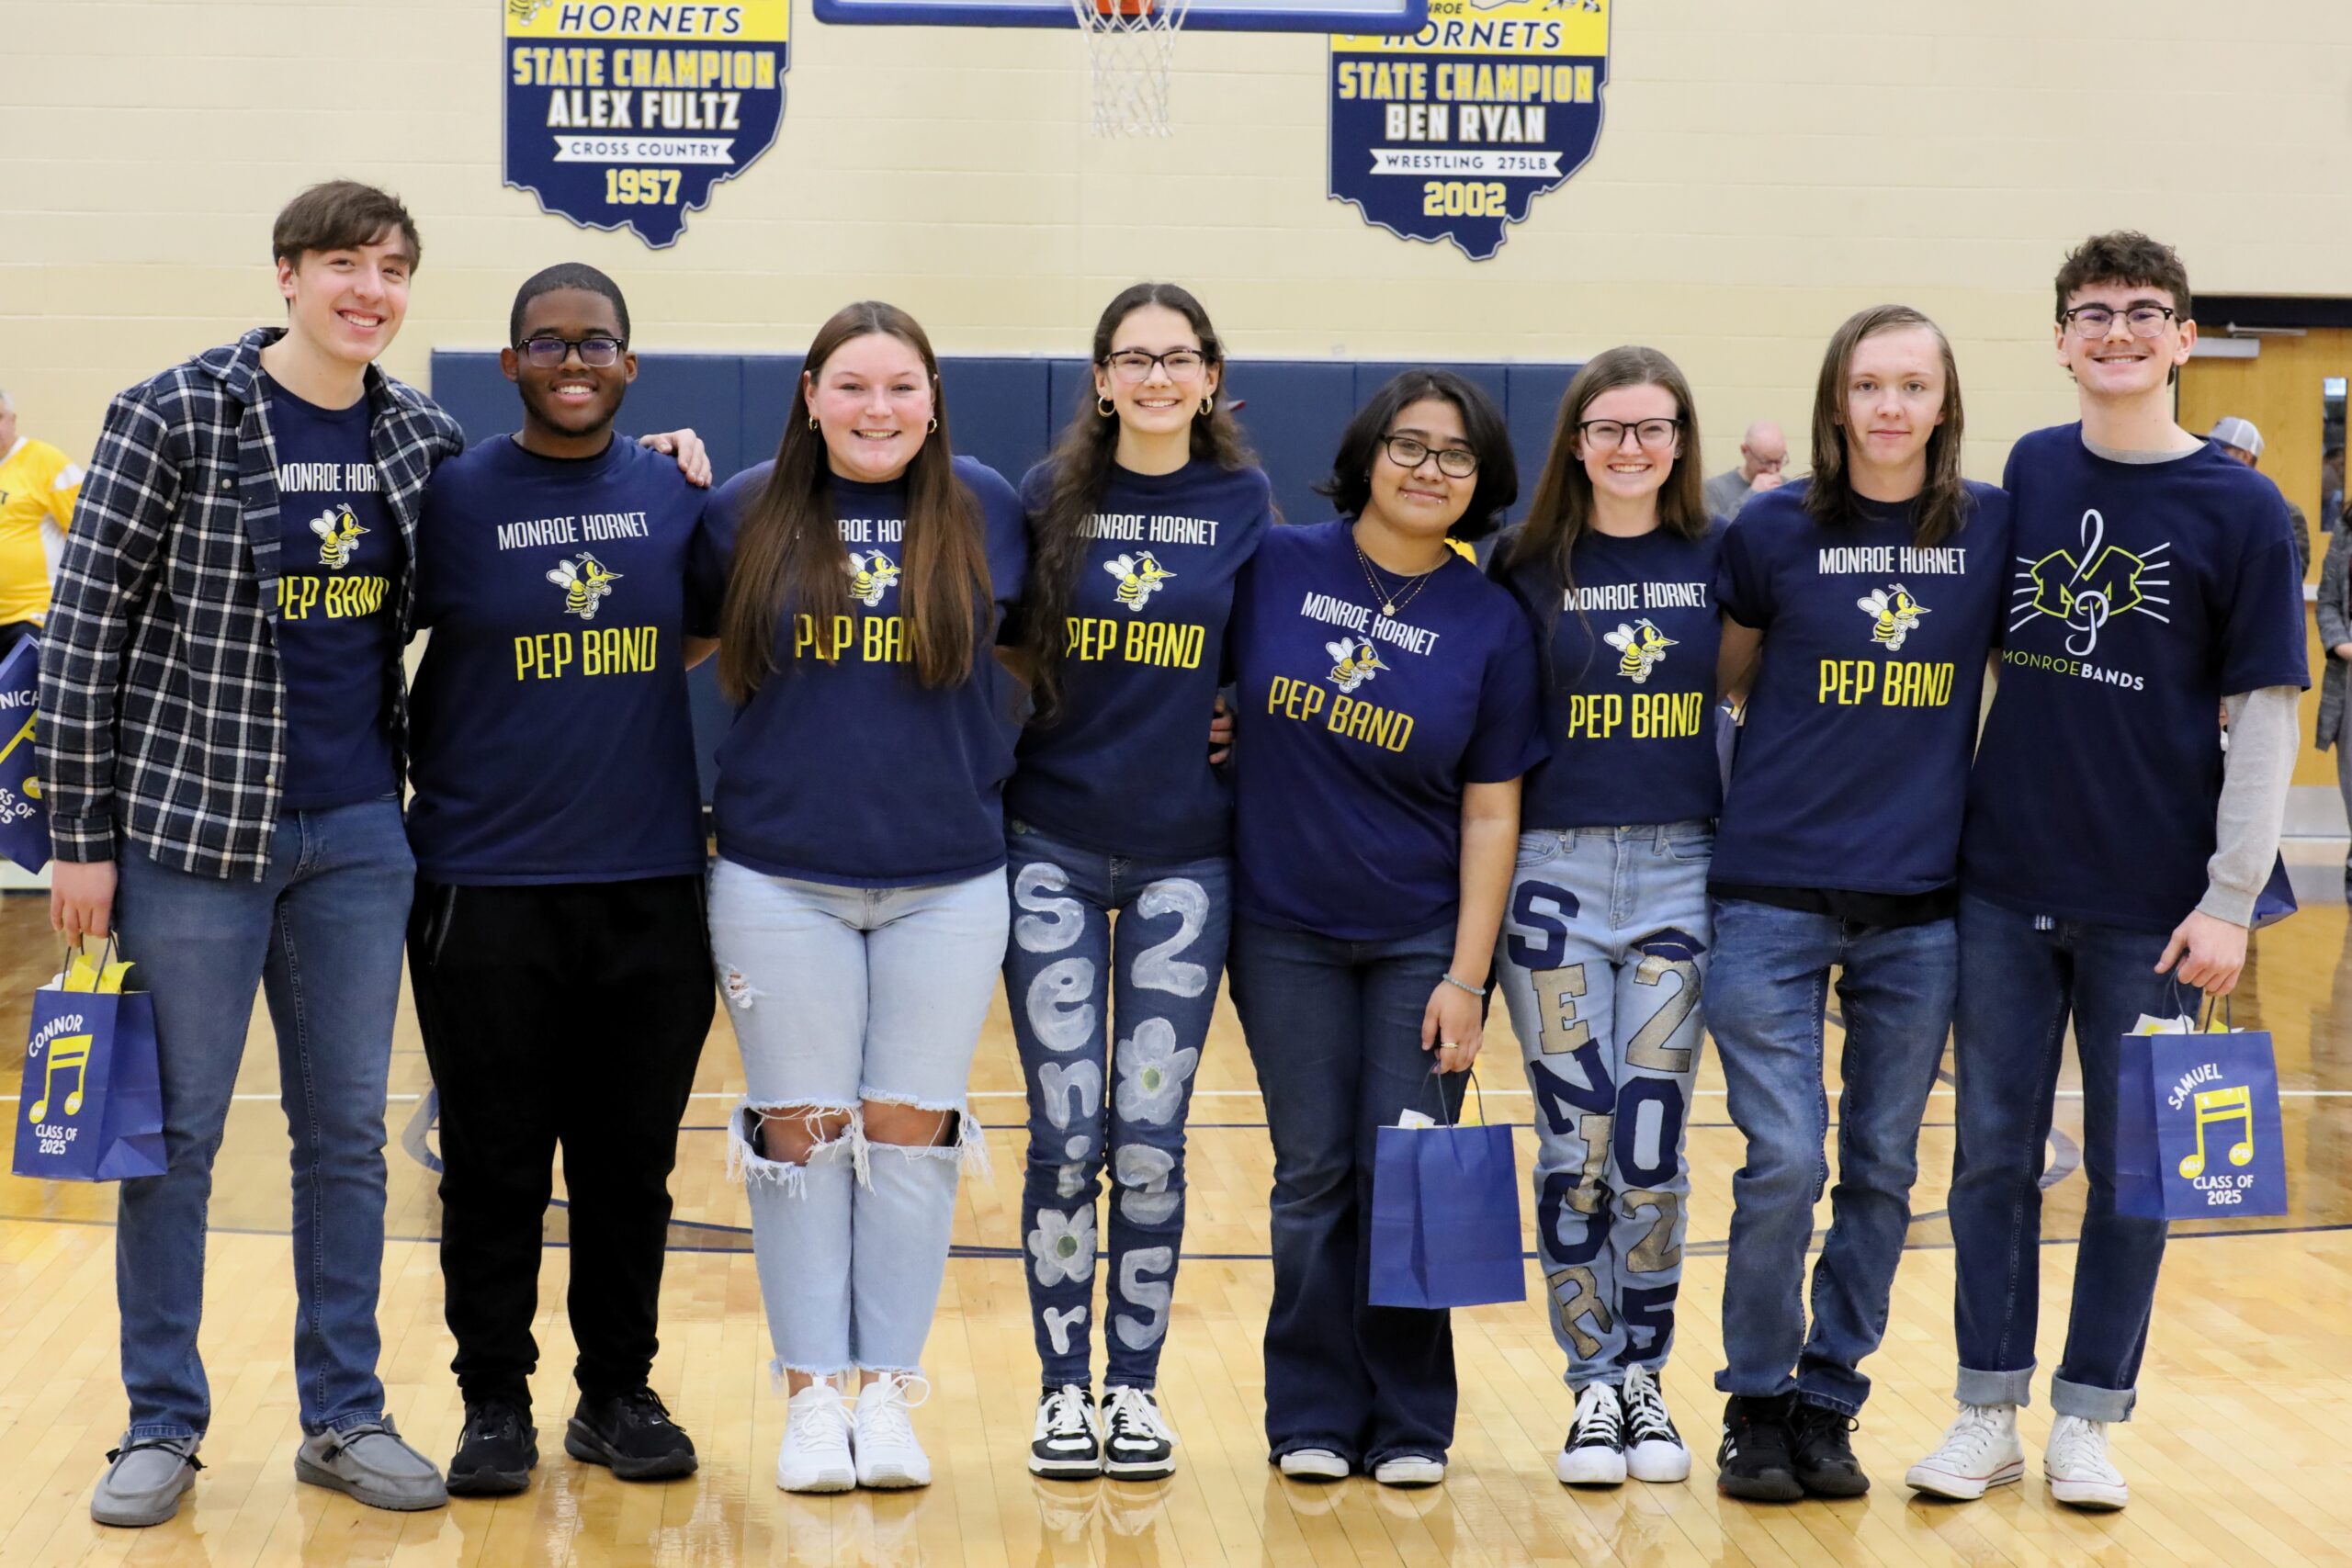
<point>585,581</point>
<point>1140,576</point>
<point>1894,614</point>
<point>338,533</point>
<point>1355,661</point>
<point>870,571</point>
<point>1642,645</point>
<point>524,10</point>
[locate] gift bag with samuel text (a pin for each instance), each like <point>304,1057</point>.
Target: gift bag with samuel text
<point>2196,1133</point>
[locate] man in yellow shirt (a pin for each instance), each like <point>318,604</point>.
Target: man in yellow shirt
<point>37,484</point>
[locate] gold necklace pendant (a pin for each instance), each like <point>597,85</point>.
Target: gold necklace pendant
<point>1388,609</point>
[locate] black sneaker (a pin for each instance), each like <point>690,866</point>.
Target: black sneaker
<point>1065,1444</point>
<point>632,1436</point>
<point>1754,1461</point>
<point>1824,1459</point>
<point>496,1452</point>
<point>1136,1443</point>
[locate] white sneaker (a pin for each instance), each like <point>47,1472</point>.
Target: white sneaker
<point>1410,1469</point>
<point>1594,1454</point>
<point>1980,1451</point>
<point>1066,1442</point>
<point>1314,1465</point>
<point>815,1456</point>
<point>2076,1466</point>
<point>1654,1451</point>
<point>888,1455</point>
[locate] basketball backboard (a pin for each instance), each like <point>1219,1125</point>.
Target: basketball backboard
<point>1224,16</point>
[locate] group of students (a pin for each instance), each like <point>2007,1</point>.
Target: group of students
<point>973,736</point>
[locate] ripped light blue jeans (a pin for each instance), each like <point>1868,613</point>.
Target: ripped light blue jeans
<point>840,996</point>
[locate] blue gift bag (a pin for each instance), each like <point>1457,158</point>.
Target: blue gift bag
<point>2196,1133</point>
<point>1446,1217</point>
<point>2277,899</point>
<point>24,824</point>
<point>91,1107</point>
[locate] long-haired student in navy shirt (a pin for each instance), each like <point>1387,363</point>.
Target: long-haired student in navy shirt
<point>1873,590</point>
<point>857,908</point>
<point>1606,945</point>
<point>1387,711</point>
<point>1140,520</point>
<point>556,940</point>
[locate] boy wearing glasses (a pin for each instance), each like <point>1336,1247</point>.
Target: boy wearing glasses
<point>2113,850</point>
<point>557,944</point>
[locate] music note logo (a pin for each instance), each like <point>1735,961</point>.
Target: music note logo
<point>68,1053</point>
<point>2234,1104</point>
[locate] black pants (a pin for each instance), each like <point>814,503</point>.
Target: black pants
<point>570,1016</point>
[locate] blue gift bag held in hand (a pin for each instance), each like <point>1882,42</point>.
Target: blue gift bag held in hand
<point>91,1107</point>
<point>1445,1216</point>
<point>24,823</point>
<point>2196,1133</point>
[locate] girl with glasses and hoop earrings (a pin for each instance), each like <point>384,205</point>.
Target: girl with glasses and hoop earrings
<point>857,906</point>
<point>1388,710</point>
<point>1140,520</point>
<point>1861,606</point>
<point>1607,943</point>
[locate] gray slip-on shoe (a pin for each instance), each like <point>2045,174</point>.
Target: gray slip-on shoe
<point>368,1462</point>
<point>144,1480</point>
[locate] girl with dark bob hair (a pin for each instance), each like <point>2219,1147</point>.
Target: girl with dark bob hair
<point>1388,709</point>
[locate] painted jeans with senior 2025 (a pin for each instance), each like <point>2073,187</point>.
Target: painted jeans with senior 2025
<point>1074,981</point>
<point>1603,961</point>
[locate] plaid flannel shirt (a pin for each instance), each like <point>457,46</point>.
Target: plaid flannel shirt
<point>162,703</point>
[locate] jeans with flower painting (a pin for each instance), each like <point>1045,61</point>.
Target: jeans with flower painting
<point>1111,1019</point>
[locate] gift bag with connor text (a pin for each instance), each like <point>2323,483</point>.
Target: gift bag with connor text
<point>1445,1215</point>
<point>24,824</point>
<point>92,1108</point>
<point>2196,1133</point>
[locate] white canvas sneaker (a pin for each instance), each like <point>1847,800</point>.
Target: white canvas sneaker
<point>815,1456</point>
<point>1594,1454</point>
<point>2076,1466</point>
<point>1980,1451</point>
<point>1314,1465</point>
<point>1654,1451</point>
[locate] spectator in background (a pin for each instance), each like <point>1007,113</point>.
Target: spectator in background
<point>2335,609</point>
<point>37,484</point>
<point>2238,439</point>
<point>2331,489</point>
<point>1762,452</point>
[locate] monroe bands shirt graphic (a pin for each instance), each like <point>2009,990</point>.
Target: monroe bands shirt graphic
<point>551,738</point>
<point>1852,761</point>
<point>2140,595</point>
<point>339,558</point>
<point>1141,662</point>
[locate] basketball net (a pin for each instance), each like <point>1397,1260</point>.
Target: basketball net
<point>1130,44</point>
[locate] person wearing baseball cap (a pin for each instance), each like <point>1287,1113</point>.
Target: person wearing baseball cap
<point>2238,439</point>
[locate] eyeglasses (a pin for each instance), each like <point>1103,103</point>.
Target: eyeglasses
<point>1133,365</point>
<point>1654,435</point>
<point>1455,462</point>
<point>597,351</point>
<point>2095,320</point>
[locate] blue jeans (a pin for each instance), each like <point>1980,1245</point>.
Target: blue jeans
<point>1335,1030</point>
<point>1063,976</point>
<point>321,934</point>
<point>1605,951</point>
<point>1766,999</point>
<point>840,996</point>
<point>2022,975</point>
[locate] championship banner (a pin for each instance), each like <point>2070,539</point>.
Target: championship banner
<point>1453,132</point>
<point>626,115</point>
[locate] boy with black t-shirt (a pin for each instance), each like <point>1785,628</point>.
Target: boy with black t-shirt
<point>2113,850</point>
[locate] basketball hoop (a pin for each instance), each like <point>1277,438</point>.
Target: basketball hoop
<point>1130,45</point>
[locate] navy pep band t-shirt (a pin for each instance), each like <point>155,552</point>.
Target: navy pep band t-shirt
<point>339,560</point>
<point>2140,595</point>
<point>1629,681</point>
<point>1358,732</point>
<point>1122,767</point>
<point>849,771</point>
<point>1852,763</point>
<point>550,734</point>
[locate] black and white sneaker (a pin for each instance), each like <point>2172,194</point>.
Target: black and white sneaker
<point>1753,1462</point>
<point>1136,1443</point>
<point>1594,1454</point>
<point>1067,1444</point>
<point>1654,1451</point>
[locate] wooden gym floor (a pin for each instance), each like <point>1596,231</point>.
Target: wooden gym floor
<point>2247,1390</point>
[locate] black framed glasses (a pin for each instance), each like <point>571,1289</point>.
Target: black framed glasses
<point>1410,452</point>
<point>596,351</point>
<point>1133,365</point>
<point>1651,435</point>
<point>2097,321</point>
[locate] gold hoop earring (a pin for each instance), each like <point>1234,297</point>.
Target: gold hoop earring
<point>1103,406</point>
<point>812,423</point>
<point>1208,405</point>
<point>935,427</point>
